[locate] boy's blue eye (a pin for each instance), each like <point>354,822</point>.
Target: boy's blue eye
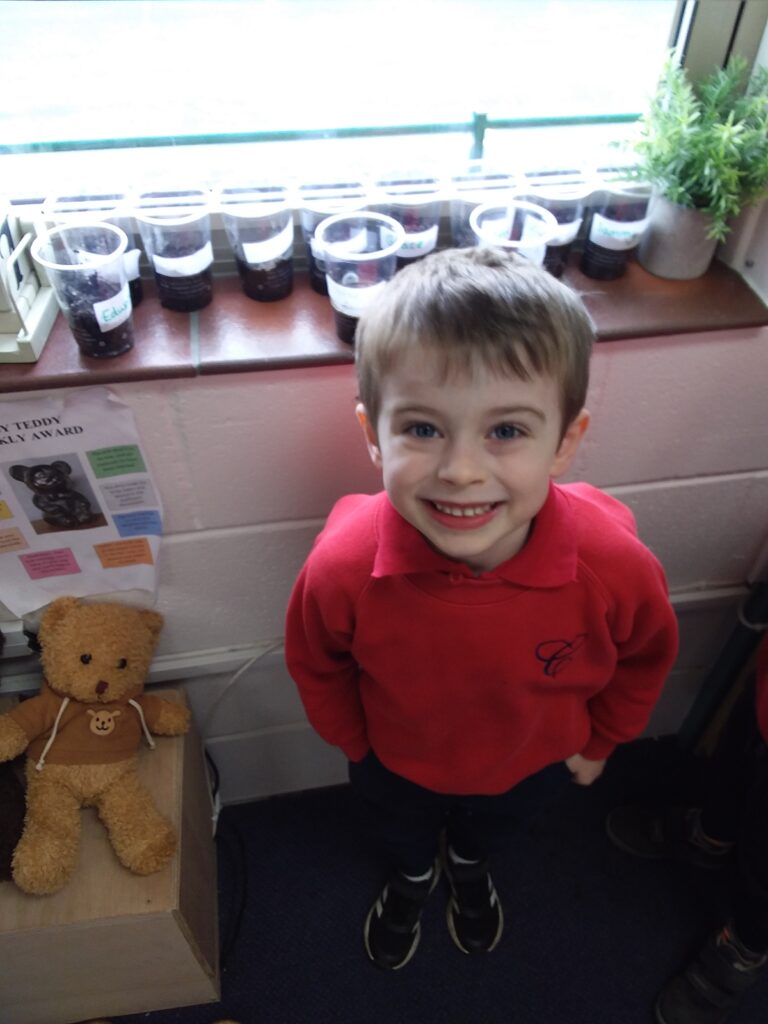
<point>423,430</point>
<point>506,432</point>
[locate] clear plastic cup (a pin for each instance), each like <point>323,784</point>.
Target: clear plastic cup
<point>360,255</point>
<point>258,220</point>
<point>109,208</point>
<point>479,183</point>
<point>175,228</point>
<point>84,263</point>
<point>517,226</point>
<point>317,201</point>
<point>564,194</point>
<point>618,222</point>
<point>414,200</point>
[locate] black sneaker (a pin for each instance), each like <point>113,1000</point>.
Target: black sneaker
<point>664,833</point>
<point>709,989</point>
<point>475,917</point>
<point>392,928</point>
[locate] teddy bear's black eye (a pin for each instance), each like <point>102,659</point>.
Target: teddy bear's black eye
<point>123,663</point>
<point>85,658</point>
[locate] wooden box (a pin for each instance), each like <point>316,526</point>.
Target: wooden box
<point>111,942</point>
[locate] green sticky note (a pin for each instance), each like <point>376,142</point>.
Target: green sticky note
<point>116,461</point>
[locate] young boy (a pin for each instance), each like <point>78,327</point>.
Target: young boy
<point>475,635</point>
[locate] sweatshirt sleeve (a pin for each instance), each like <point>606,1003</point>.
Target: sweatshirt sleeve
<point>646,638</point>
<point>318,650</point>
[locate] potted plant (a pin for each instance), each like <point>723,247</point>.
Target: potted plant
<point>704,147</point>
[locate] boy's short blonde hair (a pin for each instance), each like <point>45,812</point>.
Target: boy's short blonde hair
<point>478,307</point>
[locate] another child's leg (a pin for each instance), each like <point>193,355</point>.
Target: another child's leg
<point>704,834</point>
<point>406,820</point>
<point>478,828</point>
<point>735,958</point>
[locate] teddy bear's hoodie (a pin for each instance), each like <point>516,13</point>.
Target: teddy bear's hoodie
<point>101,733</point>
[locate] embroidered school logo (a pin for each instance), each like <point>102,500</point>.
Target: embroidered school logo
<point>556,654</point>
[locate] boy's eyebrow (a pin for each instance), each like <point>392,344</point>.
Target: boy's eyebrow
<point>515,410</point>
<point>497,413</point>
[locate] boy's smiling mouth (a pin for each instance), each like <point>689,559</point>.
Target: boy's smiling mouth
<point>463,510</point>
<point>460,516</point>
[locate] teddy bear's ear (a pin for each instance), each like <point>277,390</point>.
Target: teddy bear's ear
<point>152,620</point>
<point>54,614</point>
<point>18,472</point>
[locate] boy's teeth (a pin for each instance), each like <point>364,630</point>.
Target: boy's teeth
<point>466,510</point>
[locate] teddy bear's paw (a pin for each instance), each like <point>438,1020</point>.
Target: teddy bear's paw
<point>171,719</point>
<point>146,854</point>
<point>39,869</point>
<point>13,739</point>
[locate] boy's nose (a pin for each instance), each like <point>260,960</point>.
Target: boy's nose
<point>461,465</point>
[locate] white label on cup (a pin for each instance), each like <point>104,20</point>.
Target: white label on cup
<point>115,311</point>
<point>566,232</point>
<point>351,301</point>
<point>184,266</point>
<point>270,249</point>
<point>131,263</point>
<point>358,242</point>
<point>419,243</point>
<point>617,235</point>
<point>347,247</point>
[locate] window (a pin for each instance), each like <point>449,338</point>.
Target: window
<point>110,94</point>
<point>123,88</point>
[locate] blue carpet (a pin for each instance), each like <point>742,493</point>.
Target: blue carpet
<point>591,933</point>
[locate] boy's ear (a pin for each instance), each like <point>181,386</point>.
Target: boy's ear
<point>570,444</point>
<point>370,434</point>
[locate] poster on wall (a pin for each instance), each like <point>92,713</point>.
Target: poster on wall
<point>79,512</point>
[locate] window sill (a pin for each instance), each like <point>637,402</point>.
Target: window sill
<point>235,334</point>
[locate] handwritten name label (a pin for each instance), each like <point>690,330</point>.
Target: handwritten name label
<point>115,311</point>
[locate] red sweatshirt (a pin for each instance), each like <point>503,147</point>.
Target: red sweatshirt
<point>467,684</point>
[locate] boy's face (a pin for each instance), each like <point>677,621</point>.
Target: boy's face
<point>468,460</point>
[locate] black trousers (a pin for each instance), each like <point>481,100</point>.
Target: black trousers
<point>735,809</point>
<point>407,819</point>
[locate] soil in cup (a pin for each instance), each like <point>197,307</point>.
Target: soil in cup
<point>185,294</point>
<point>136,287</point>
<point>345,327</point>
<point>91,340</point>
<point>316,275</point>
<point>268,283</point>
<point>188,293</point>
<point>555,259</point>
<point>607,264</point>
<point>556,256</point>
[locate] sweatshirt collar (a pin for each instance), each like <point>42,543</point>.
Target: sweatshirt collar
<point>548,559</point>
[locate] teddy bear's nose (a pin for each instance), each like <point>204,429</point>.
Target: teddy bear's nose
<point>101,686</point>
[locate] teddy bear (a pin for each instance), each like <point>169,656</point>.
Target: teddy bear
<point>60,505</point>
<point>82,733</point>
<point>11,809</point>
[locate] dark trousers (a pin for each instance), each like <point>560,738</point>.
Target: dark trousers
<point>735,809</point>
<point>407,819</point>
